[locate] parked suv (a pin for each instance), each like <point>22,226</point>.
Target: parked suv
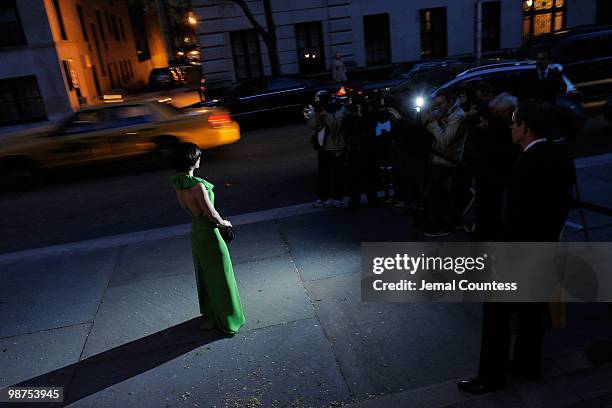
<point>586,56</point>
<point>515,77</point>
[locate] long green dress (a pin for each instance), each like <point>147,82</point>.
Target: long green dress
<point>217,289</point>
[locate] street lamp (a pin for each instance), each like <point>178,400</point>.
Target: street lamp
<point>192,20</point>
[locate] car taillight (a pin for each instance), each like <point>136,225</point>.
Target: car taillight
<point>219,120</point>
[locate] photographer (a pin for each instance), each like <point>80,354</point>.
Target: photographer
<point>393,142</point>
<point>362,166</point>
<point>446,123</point>
<point>325,117</point>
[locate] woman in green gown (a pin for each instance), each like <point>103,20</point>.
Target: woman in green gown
<point>216,284</point>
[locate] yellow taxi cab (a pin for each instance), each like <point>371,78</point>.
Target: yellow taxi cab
<point>113,132</point>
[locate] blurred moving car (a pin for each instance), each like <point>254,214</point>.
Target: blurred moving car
<point>278,96</point>
<point>112,132</point>
<point>585,54</point>
<point>168,77</point>
<point>416,93</point>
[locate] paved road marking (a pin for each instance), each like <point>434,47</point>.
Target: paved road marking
<point>183,229</point>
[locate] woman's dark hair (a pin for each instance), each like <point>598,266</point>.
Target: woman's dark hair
<point>537,115</point>
<point>186,156</point>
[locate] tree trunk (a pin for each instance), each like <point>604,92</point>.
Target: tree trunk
<point>271,38</point>
<point>268,36</point>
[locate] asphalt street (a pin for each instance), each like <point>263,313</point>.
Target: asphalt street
<point>268,168</point>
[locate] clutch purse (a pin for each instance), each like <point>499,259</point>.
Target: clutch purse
<point>227,233</point>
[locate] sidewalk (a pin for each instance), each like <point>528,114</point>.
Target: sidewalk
<point>115,323</point>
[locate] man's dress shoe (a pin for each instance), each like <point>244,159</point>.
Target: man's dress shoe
<point>480,385</point>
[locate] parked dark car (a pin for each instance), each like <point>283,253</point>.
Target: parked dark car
<point>401,73</point>
<point>416,93</point>
<point>168,77</point>
<point>586,56</point>
<point>277,96</point>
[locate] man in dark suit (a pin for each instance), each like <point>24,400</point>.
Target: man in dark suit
<point>549,81</point>
<point>538,200</point>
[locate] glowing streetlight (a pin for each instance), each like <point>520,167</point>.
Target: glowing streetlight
<point>192,20</point>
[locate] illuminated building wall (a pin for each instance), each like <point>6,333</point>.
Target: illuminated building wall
<point>67,54</point>
<point>368,33</point>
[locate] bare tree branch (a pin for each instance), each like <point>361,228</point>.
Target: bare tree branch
<point>268,36</point>
<point>249,15</point>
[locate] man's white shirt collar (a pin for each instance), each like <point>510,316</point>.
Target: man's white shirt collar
<point>534,142</point>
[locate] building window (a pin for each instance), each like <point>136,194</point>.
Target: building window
<point>115,29</point>
<point>377,39</point>
<point>246,53</point>
<point>121,29</point>
<point>310,51</point>
<point>100,26</point>
<point>111,75</point>
<point>82,21</point>
<point>604,12</point>
<point>60,20</point>
<point>10,25</point>
<point>491,23</point>
<point>116,71</point>
<point>108,25</point>
<point>68,73</point>
<point>131,69</point>
<point>72,79</point>
<point>543,16</point>
<point>139,30</point>
<point>20,101</point>
<point>124,71</point>
<point>433,32</point>
<point>97,45</point>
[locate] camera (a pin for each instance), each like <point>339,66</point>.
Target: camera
<point>324,101</point>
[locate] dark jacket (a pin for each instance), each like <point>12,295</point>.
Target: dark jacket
<point>494,153</point>
<point>539,194</point>
<point>548,88</point>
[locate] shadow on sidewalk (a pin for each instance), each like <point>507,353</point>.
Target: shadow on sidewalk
<point>106,369</point>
